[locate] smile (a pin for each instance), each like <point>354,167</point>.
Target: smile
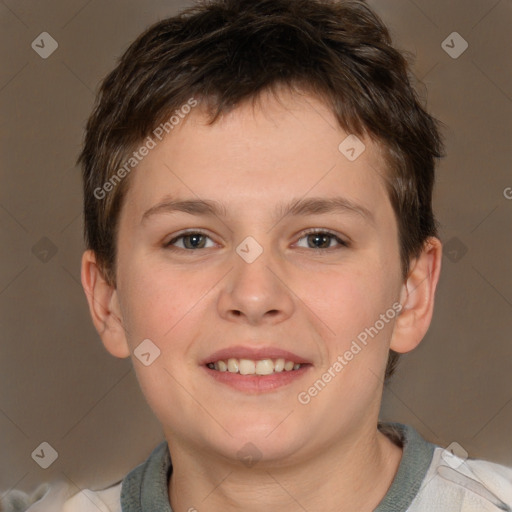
<point>254,367</point>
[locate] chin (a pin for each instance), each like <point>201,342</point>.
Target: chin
<point>261,443</point>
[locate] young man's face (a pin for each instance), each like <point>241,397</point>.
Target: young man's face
<point>308,296</point>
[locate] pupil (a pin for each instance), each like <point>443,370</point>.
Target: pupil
<point>193,241</point>
<point>321,241</point>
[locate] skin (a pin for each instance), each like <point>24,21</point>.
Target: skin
<point>325,455</point>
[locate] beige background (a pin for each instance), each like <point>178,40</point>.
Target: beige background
<point>60,386</point>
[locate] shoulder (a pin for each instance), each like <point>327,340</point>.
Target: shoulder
<point>474,485</point>
<point>61,497</point>
<point>106,500</point>
<point>433,478</point>
<point>497,479</point>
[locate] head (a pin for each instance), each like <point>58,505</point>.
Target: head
<point>246,106</point>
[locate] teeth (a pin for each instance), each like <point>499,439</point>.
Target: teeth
<point>251,367</point>
<point>247,367</point>
<point>265,367</point>
<point>279,365</point>
<point>233,365</point>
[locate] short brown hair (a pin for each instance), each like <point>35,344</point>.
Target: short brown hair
<point>225,52</point>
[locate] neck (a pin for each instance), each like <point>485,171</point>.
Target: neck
<point>353,474</point>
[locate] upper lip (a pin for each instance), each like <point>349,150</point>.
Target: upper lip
<point>256,354</point>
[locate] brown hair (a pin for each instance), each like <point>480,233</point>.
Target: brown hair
<point>225,52</point>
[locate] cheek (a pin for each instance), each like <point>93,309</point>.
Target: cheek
<point>348,303</point>
<point>157,301</point>
<point>166,307</point>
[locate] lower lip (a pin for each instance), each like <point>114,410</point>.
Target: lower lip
<point>258,383</point>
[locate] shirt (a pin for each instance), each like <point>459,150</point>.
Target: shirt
<point>429,478</point>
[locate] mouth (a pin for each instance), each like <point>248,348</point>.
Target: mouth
<point>260,367</point>
<point>255,371</point>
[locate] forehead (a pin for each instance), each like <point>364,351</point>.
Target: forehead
<point>260,152</point>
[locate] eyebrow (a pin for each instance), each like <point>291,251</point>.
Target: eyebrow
<point>297,207</point>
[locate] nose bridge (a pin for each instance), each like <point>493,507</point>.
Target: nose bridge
<point>253,291</point>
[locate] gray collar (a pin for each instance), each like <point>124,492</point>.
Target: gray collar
<point>145,488</point>
<point>416,460</point>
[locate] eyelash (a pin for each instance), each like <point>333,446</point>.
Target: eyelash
<point>342,243</point>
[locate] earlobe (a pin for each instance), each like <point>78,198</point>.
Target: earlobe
<point>417,298</point>
<point>104,307</point>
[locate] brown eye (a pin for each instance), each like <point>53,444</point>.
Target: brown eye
<point>319,241</point>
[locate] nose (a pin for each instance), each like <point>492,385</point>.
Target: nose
<point>254,293</point>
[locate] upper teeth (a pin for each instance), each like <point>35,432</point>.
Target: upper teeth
<point>252,367</point>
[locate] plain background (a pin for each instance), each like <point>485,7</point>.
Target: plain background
<point>58,384</point>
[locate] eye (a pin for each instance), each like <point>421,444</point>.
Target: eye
<point>315,239</point>
<point>191,240</point>
<point>318,239</point>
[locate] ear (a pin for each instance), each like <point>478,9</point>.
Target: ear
<point>104,307</point>
<point>417,298</point>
